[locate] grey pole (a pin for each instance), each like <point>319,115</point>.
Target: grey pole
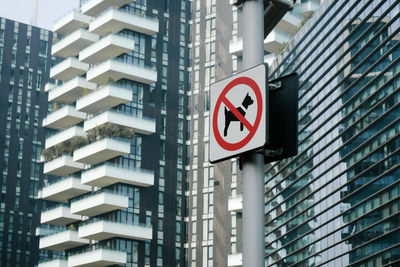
<point>253,164</point>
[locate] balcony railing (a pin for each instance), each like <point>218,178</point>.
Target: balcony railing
<point>96,257</point>
<point>102,150</point>
<point>115,20</point>
<point>99,202</point>
<point>104,98</point>
<point>108,173</point>
<point>101,229</point>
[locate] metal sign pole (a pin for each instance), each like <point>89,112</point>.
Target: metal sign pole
<point>253,164</point>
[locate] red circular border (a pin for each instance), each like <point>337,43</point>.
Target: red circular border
<point>256,89</point>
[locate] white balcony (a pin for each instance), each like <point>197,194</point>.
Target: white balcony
<point>306,9</point>
<point>102,150</point>
<point>54,263</point>
<point>70,22</point>
<point>97,257</point>
<point>71,90</point>
<point>62,241</point>
<point>63,136</point>
<point>62,166</point>
<point>275,41</point>
<point>100,230</point>
<point>107,174</point>
<point>290,23</point>
<point>139,124</point>
<point>235,203</point>
<point>108,47</point>
<point>60,215</point>
<point>63,118</point>
<point>64,189</point>
<point>68,69</point>
<point>95,7</point>
<point>49,87</point>
<point>236,46</point>
<point>105,98</point>
<point>114,70</point>
<point>99,203</point>
<point>235,260</point>
<point>73,43</point>
<point>114,21</point>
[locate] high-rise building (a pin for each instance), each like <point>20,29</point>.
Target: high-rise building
<point>337,202</point>
<point>215,202</point>
<point>25,61</point>
<point>115,153</point>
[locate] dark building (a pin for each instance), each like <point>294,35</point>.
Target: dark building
<point>142,219</point>
<point>25,61</point>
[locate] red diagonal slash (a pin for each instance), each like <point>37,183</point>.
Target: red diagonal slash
<point>237,113</point>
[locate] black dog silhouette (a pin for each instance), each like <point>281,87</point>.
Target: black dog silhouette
<point>229,116</point>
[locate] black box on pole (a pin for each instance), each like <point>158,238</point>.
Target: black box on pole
<point>283,116</point>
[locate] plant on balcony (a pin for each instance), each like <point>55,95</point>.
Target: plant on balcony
<point>109,130</point>
<point>66,147</point>
<point>48,154</point>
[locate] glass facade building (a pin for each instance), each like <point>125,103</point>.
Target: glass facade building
<point>25,61</point>
<point>337,202</point>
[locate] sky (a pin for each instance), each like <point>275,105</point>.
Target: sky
<point>48,10</point>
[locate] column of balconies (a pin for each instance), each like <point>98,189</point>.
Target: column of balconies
<point>85,95</point>
<point>287,27</point>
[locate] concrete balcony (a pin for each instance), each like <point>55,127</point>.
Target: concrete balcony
<point>63,118</point>
<point>102,150</point>
<point>140,125</point>
<point>108,174</point>
<point>236,46</point>
<point>63,136</point>
<point>68,69</point>
<point>235,260</point>
<point>54,263</point>
<point>108,47</point>
<point>307,8</point>
<point>114,70</point>
<point>73,43</point>
<point>64,189</point>
<point>62,241</point>
<point>49,86</point>
<point>99,203</point>
<point>105,98</point>
<point>71,90</point>
<point>100,230</point>
<point>62,166</point>
<point>290,23</point>
<point>114,21</point>
<point>95,7</point>
<point>97,257</point>
<point>71,22</point>
<point>275,41</point>
<point>235,203</point>
<point>60,215</point>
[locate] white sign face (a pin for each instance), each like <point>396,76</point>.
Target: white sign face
<point>238,116</point>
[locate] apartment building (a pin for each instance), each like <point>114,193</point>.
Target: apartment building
<point>115,155</point>
<point>215,202</point>
<point>25,62</point>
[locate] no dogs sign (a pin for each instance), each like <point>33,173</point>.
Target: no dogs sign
<point>238,114</point>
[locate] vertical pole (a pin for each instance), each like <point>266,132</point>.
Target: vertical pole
<point>253,164</point>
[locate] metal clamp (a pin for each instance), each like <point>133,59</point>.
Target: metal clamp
<point>275,85</point>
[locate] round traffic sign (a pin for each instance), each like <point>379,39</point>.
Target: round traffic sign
<point>251,127</point>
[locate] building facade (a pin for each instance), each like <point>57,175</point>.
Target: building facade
<point>337,202</point>
<point>115,152</point>
<point>215,201</point>
<point>25,61</point>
